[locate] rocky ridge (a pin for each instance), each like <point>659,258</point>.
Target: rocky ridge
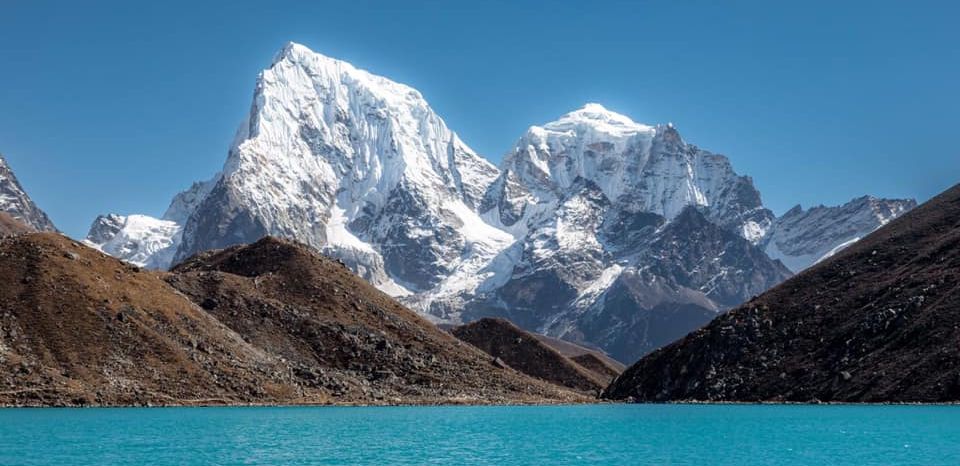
<point>877,322</point>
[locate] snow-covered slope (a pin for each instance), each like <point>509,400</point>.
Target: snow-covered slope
<point>138,239</point>
<point>147,241</point>
<point>801,238</point>
<point>15,202</point>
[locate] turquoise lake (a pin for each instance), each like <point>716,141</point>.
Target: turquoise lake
<point>564,435</point>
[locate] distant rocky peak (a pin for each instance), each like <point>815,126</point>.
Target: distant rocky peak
<point>138,239</point>
<point>105,228</point>
<point>886,209</point>
<point>15,202</point>
<point>801,238</point>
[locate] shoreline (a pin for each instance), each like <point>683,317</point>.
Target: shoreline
<point>490,404</point>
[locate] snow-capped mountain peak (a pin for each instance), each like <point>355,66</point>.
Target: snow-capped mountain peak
<point>314,114</point>
<point>356,165</point>
<point>640,168</point>
<point>317,64</point>
<point>594,117</point>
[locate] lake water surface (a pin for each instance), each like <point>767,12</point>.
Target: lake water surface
<point>566,435</point>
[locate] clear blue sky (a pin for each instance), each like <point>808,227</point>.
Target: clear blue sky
<point>116,106</point>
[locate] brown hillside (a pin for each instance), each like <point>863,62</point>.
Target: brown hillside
<point>341,333</point>
<point>80,328</point>
<point>522,351</point>
<point>600,368</point>
<point>880,322</point>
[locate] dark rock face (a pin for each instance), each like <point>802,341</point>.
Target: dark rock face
<point>528,300</point>
<point>637,316</point>
<point>105,228</point>
<point>876,323</point>
<point>499,196</point>
<point>692,269</point>
<point>735,270</point>
<point>221,220</point>
<point>15,202</point>
<point>417,260</point>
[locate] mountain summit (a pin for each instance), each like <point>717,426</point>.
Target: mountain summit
<point>355,165</point>
<point>596,228</point>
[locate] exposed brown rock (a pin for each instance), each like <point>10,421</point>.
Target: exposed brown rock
<point>880,322</point>
<point>267,323</point>
<point>508,344</point>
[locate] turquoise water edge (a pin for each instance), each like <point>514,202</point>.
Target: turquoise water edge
<point>547,435</point>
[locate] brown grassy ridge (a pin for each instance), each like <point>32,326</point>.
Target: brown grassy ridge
<point>269,323</point>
